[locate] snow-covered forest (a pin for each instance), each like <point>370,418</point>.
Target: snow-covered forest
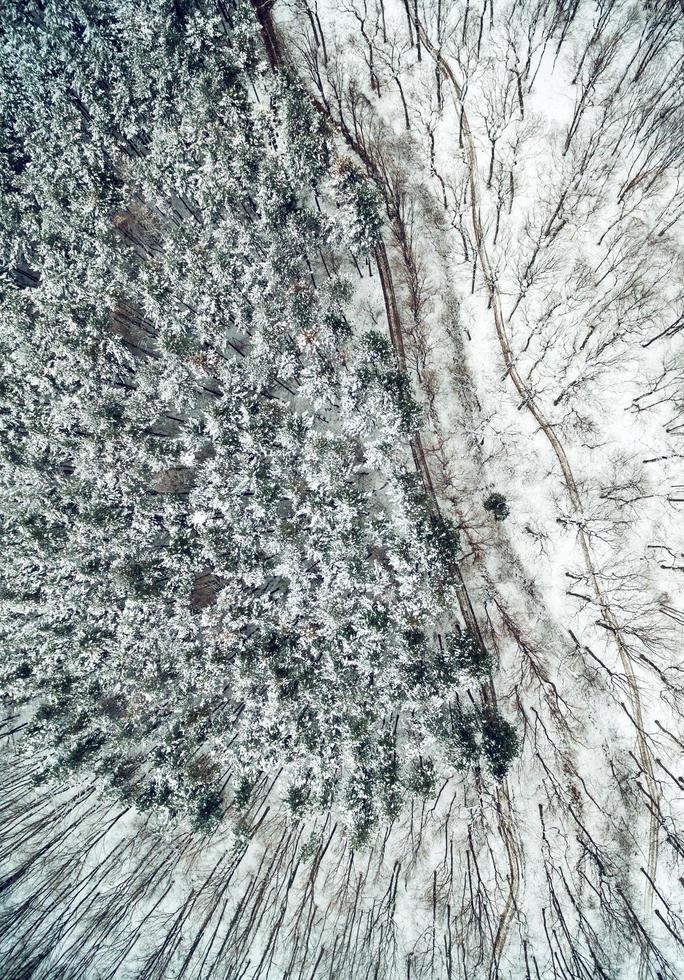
<point>341,539</point>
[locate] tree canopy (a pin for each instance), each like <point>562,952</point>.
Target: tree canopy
<point>216,562</point>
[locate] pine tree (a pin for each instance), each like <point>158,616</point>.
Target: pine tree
<point>496,504</point>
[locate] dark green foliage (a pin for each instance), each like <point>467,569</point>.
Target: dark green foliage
<point>208,806</point>
<point>443,537</point>
<point>496,504</point>
<point>472,733</point>
<point>398,387</point>
<point>421,778</point>
<point>121,774</point>
<point>378,616</point>
<point>242,793</point>
<point>362,199</point>
<point>378,348</point>
<point>379,368</point>
<point>468,653</point>
<point>307,130</point>
<point>443,669</point>
<point>387,776</point>
<point>359,800</point>
<point>296,799</point>
<point>144,580</point>
<point>464,731</point>
<point>47,710</point>
<point>460,731</point>
<point>156,794</point>
<point>391,800</point>
<point>499,743</point>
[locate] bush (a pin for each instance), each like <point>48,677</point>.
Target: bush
<point>496,504</point>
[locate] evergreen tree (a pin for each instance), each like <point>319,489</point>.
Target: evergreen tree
<point>496,504</point>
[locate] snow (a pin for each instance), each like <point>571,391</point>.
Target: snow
<point>573,813</point>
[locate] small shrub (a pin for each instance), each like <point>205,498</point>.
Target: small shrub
<point>496,505</point>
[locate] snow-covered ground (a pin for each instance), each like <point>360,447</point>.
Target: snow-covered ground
<point>543,150</point>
